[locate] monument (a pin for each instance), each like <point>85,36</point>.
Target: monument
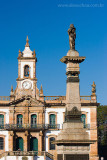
<point>73,142</point>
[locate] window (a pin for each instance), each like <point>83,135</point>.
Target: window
<point>1,143</point>
<point>33,120</point>
<point>26,71</point>
<point>1,121</point>
<point>52,122</point>
<point>52,146</point>
<point>83,119</point>
<point>52,119</point>
<point>19,119</point>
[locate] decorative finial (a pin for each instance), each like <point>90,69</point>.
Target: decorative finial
<point>72,36</point>
<point>41,91</point>
<point>12,92</point>
<point>34,54</point>
<point>27,42</point>
<point>20,53</point>
<point>11,88</point>
<point>93,88</point>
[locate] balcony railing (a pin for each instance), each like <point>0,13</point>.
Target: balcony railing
<point>87,126</point>
<point>85,98</point>
<point>27,153</point>
<point>53,126</point>
<point>60,98</point>
<point>4,98</point>
<point>29,126</point>
<point>49,98</point>
<point>53,98</point>
<point>34,126</point>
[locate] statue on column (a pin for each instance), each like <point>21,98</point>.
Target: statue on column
<point>72,36</point>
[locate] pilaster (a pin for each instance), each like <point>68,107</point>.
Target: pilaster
<point>40,141</point>
<point>26,141</point>
<point>11,135</point>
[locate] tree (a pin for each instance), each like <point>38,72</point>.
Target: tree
<point>102,130</point>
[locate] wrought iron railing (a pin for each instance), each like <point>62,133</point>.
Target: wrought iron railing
<point>87,126</point>
<point>27,153</point>
<point>34,127</point>
<point>53,126</point>
<point>29,126</point>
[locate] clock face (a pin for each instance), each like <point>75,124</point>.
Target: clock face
<point>26,85</point>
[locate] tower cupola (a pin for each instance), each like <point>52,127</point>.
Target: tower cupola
<point>27,52</point>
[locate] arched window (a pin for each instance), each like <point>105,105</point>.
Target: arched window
<point>1,121</point>
<point>52,146</point>
<point>19,119</point>
<point>33,120</point>
<point>26,71</point>
<point>83,119</point>
<point>52,121</point>
<point>1,143</point>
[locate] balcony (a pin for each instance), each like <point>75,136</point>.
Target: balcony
<point>54,126</point>
<point>11,127</point>
<point>19,127</point>
<point>27,153</point>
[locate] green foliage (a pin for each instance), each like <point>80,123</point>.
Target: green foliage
<point>102,124</point>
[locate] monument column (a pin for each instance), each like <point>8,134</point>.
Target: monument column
<point>73,140</point>
<point>72,61</point>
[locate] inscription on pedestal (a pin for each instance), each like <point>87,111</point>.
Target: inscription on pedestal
<point>76,157</point>
<point>24,158</point>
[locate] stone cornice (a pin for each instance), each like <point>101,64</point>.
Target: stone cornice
<point>21,79</point>
<point>74,141</point>
<point>90,104</point>
<point>73,59</point>
<point>22,58</point>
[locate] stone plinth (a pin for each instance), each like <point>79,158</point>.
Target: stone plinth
<point>73,131</point>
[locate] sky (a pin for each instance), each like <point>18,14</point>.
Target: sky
<point>46,23</point>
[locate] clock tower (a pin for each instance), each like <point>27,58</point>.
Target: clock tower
<point>26,81</point>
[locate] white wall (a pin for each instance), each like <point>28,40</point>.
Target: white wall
<point>48,133</point>
<point>6,111</point>
<point>88,113</point>
<point>20,158</point>
<point>2,132</point>
<point>11,158</point>
<point>5,133</point>
<point>59,112</point>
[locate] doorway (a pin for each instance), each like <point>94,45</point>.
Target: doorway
<point>19,144</point>
<point>33,144</point>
